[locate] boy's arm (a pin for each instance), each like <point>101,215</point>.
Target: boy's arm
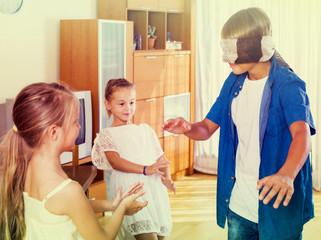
<point>202,130</point>
<point>281,183</point>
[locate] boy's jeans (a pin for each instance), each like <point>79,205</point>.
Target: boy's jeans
<point>240,228</point>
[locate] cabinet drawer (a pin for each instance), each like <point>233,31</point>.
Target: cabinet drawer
<point>142,4</point>
<point>148,76</point>
<point>150,111</point>
<point>98,191</point>
<point>171,6</point>
<point>176,74</point>
<point>176,150</point>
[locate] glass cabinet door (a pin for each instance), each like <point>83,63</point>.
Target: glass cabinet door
<point>111,60</point>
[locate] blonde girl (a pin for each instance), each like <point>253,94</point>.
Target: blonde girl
<point>38,200</point>
<point>133,153</point>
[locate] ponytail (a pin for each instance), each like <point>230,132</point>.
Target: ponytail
<point>15,155</point>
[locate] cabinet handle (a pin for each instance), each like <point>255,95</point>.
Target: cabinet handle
<point>178,55</point>
<point>150,99</point>
<point>172,10</point>
<point>150,57</point>
<point>145,8</point>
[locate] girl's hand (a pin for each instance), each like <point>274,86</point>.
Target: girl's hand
<point>131,205</point>
<point>177,126</point>
<point>135,188</point>
<point>157,166</point>
<point>168,182</point>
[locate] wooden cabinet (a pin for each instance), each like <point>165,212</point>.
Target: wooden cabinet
<point>171,5</point>
<point>176,73</point>
<point>172,16</point>
<point>143,4</point>
<point>158,76</point>
<point>150,111</point>
<point>176,150</point>
<point>148,76</point>
<point>98,191</point>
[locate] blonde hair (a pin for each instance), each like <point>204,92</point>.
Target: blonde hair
<point>114,84</point>
<point>247,23</point>
<point>36,108</point>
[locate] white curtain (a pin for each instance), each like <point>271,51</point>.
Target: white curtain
<point>297,34</point>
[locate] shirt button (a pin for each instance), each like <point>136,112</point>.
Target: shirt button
<point>233,157</point>
<point>232,177</point>
<point>226,200</point>
<point>235,93</point>
<point>238,83</point>
<point>240,87</point>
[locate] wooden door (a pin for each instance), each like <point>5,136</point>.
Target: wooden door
<point>176,74</point>
<point>171,5</point>
<point>151,111</point>
<point>142,4</point>
<point>176,150</point>
<point>148,76</point>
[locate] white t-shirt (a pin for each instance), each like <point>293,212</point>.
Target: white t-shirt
<point>245,114</point>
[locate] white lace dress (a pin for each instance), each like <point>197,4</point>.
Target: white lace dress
<point>138,144</point>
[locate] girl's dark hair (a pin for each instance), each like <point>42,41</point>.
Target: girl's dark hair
<point>112,85</point>
<point>36,108</point>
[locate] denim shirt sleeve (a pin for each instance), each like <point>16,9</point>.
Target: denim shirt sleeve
<point>295,103</point>
<point>215,114</point>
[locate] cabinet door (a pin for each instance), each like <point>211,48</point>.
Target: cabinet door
<point>176,74</point>
<point>171,5</point>
<point>142,4</point>
<point>150,111</point>
<point>176,150</point>
<point>148,76</point>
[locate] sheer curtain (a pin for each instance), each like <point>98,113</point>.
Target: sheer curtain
<point>296,33</point>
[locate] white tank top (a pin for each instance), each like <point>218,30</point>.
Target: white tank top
<point>44,225</point>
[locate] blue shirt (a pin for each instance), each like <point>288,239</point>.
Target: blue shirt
<point>284,102</point>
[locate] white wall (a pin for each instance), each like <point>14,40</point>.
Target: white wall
<point>29,41</point>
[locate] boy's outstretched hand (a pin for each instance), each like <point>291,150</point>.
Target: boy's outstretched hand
<point>168,182</point>
<point>277,184</point>
<point>177,126</point>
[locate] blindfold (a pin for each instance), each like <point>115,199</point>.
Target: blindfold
<point>248,50</point>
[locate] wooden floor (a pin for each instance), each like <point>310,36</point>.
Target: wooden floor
<point>194,209</point>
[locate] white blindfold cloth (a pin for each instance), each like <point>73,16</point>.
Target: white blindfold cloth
<point>248,50</point>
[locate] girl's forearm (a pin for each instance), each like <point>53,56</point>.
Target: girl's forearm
<point>114,223</point>
<point>102,205</point>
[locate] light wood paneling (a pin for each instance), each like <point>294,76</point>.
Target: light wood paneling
<point>157,19</point>
<point>140,19</point>
<point>111,9</point>
<point>143,4</point>
<point>171,5</point>
<point>176,150</point>
<point>79,62</point>
<point>129,51</point>
<point>176,74</point>
<point>148,76</point>
<point>151,111</point>
<point>175,25</point>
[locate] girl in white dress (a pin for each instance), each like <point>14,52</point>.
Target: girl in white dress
<point>133,153</point>
<point>38,201</point>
